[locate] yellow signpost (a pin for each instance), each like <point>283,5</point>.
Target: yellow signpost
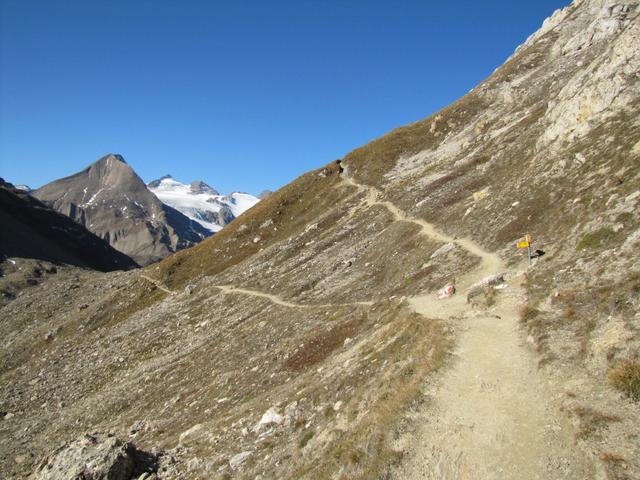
<point>526,243</point>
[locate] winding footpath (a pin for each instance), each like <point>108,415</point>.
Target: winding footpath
<point>228,289</point>
<point>490,415</point>
<point>278,301</point>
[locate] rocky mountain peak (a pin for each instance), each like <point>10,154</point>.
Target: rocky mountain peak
<point>198,186</point>
<point>110,158</point>
<point>112,201</point>
<point>156,183</point>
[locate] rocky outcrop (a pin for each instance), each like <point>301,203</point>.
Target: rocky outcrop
<point>96,456</point>
<point>101,456</point>
<point>113,202</point>
<point>606,85</point>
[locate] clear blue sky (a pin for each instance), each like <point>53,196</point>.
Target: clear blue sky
<point>246,95</point>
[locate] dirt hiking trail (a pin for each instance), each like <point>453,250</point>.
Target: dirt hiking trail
<point>490,415</point>
<point>228,289</point>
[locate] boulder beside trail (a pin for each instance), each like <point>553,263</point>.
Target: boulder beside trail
<point>479,287</point>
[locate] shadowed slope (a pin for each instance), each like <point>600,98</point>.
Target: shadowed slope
<point>32,230</point>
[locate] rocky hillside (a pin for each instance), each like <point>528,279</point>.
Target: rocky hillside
<point>305,339</point>
<point>201,203</point>
<point>110,200</point>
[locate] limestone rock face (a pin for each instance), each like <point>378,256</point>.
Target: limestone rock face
<point>113,202</point>
<point>605,85</point>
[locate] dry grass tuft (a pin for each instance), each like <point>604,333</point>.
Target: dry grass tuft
<point>625,377</point>
<point>527,313</point>
<point>591,421</point>
<point>610,457</point>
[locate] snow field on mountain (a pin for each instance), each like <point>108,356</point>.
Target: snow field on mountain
<point>196,205</point>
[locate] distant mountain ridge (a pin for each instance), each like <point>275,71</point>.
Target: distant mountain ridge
<point>201,202</point>
<point>113,202</point>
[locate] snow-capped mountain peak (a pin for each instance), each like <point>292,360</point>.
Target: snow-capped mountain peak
<point>201,202</point>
